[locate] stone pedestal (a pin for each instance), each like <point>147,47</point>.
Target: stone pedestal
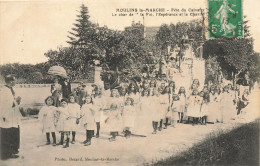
<point>98,80</point>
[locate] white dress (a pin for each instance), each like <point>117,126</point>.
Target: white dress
<point>164,105</point>
<point>174,111</point>
<point>136,98</point>
<point>204,109</point>
<point>144,116</point>
<point>74,113</point>
<point>213,108</point>
<point>114,119</point>
<point>227,107</point>
<point>99,103</point>
<point>182,106</point>
<point>47,118</point>
<point>156,111</point>
<point>194,106</point>
<point>88,116</point>
<point>128,116</point>
<point>64,120</point>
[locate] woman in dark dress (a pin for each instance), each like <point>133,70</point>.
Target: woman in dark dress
<point>65,88</point>
<point>56,90</point>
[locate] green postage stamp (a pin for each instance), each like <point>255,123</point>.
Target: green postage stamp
<point>225,18</point>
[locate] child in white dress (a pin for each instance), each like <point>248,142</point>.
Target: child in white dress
<point>64,122</point>
<point>74,112</point>
<point>212,105</point>
<point>113,120</point>
<point>204,108</point>
<point>194,106</point>
<point>88,119</point>
<point>227,108</point>
<point>128,117</point>
<point>175,109</point>
<point>99,102</point>
<point>182,107</point>
<point>144,117</point>
<point>164,100</point>
<point>48,120</point>
<point>156,114</point>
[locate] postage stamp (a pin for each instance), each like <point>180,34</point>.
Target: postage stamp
<point>225,18</point>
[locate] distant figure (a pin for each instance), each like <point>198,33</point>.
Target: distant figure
<point>82,94</point>
<point>243,102</point>
<point>56,92</point>
<point>66,88</point>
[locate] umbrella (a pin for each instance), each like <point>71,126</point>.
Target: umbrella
<point>58,71</point>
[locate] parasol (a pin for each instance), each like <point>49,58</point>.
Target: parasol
<point>58,71</point>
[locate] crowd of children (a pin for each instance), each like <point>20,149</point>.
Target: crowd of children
<point>138,110</point>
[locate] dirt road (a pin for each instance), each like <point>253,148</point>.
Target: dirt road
<point>132,151</point>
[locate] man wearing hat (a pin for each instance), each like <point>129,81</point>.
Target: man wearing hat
<point>9,115</point>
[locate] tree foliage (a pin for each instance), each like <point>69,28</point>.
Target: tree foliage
<point>254,67</point>
<point>124,54</point>
<point>179,34</point>
<point>83,50</point>
<point>26,73</point>
<point>235,56</point>
<point>83,31</point>
<point>117,50</point>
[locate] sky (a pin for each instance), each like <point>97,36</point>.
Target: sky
<point>28,29</point>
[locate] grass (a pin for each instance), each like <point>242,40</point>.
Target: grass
<point>238,147</point>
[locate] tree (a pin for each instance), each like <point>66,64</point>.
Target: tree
<point>74,60</point>
<point>83,49</point>
<point>35,77</point>
<point>27,73</point>
<point>254,67</point>
<point>235,56</point>
<point>179,36</point>
<point>124,53</point>
<point>246,27</point>
<point>163,36</point>
<point>84,30</point>
<point>211,70</point>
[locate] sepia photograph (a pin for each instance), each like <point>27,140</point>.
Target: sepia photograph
<point>129,82</point>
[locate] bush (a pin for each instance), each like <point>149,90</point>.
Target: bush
<point>34,111</point>
<point>31,111</point>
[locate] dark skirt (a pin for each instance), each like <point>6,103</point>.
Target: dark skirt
<point>56,99</point>
<point>9,141</point>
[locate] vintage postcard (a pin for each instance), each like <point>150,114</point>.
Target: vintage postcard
<point>129,82</point>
